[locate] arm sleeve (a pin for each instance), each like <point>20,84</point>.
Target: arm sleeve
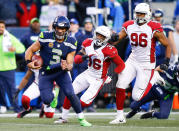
<point>17,44</point>
<point>120,64</point>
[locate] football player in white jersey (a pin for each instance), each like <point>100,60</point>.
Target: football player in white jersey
<point>100,55</point>
<point>143,34</point>
<point>31,93</point>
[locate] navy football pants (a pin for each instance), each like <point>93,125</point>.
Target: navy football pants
<point>63,80</point>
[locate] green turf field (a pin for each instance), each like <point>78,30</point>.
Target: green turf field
<point>100,123</point>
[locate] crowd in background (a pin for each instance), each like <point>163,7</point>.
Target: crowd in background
<point>40,13</point>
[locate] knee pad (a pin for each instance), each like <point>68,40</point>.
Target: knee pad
<point>25,102</point>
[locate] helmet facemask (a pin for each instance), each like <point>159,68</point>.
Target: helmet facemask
<point>101,35</point>
<point>99,41</point>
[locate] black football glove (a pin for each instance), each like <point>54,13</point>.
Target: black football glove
<point>165,64</point>
<point>114,37</point>
<point>16,95</point>
<point>85,57</point>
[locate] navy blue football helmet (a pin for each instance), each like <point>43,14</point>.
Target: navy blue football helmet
<point>158,13</point>
<point>61,22</point>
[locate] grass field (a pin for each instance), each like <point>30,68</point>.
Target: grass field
<point>100,121</point>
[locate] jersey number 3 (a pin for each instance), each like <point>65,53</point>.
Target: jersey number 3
<point>139,39</point>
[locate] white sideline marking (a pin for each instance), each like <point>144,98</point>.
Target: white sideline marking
<point>74,114</point>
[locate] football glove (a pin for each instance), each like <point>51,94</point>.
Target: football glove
<point>114,37</point>
<point>16,95</point>
<point>165,64</point>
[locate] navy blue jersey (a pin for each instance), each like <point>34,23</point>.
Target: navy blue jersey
<point>160,49</point>
<point>52,51</point>
<point>171,77</point>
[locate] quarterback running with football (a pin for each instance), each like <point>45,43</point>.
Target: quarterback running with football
<point>143,34</point>
<point>100,54</point>
<point>57,50</point>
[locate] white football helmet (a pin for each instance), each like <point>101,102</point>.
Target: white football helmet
<point>103,30</point>
<point>142,8</point>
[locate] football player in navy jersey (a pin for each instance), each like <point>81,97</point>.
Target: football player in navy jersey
<point>57,50</point>
<point>163,91</point>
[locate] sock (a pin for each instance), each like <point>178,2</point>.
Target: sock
<point>120,98</point>
<point>26,102</point>
<point>119,112</point>
<point>65,113</point>
<point>66,104</point>
<point>80,115</point>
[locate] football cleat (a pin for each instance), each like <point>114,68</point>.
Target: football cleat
<point>23,113</point>
<point>85,123</point>
<point>61,121</point>
<point>132,113</point>
<point>147,115</point>
<point>53,104</point>
<point>119,120</point>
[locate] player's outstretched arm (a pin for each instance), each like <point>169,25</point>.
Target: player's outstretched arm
<point>23,83</point>
<point>29,53</point>
<point>173,46</point>
<point>120,64</point>
<point>163,40</point>
<point>25,79</point>
<point>81,56</point>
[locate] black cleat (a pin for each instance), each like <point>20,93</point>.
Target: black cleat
<point>23,113</point>
<point>132,113</point>
<point>147,115</point>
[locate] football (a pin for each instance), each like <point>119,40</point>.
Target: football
<point>39,59</point>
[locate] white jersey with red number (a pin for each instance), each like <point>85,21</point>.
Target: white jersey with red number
<point>99,59</point>
<point>142,42</point>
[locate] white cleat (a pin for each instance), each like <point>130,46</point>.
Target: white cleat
<point>60,121</point>
<point>118,120</point>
